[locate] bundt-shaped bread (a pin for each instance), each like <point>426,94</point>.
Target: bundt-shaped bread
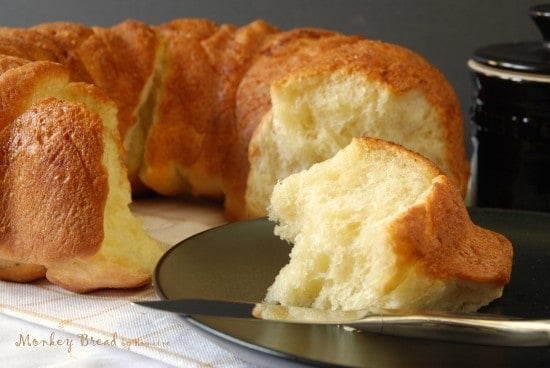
<point>378,227</point>
<point>217,111</point>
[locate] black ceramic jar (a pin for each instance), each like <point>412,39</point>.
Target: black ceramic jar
<point>511,119</point>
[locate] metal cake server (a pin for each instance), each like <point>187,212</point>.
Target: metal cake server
<point>477,328</point>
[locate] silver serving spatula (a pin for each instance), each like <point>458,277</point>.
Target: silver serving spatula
<point>477,328</point>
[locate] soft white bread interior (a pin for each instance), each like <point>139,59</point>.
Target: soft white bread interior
<point>361,88</point>
<point>380,227</point>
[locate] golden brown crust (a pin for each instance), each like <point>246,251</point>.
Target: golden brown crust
<point>111,277</point>
<point>20,272</point>
<point>440,236</point>
<point>20,86</point>
<point>186,106</point>
<point>10,62</point>
<point>27,44</point>
<point>51,160</point>
<point>125,54</point>
<point>231,51</point>
<point>68,37</point>
<point>203,66</point>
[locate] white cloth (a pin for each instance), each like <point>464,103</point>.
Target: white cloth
<point>44,325</point>
<point>62,355</point>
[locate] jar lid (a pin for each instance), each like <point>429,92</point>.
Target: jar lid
<point>524,57</point>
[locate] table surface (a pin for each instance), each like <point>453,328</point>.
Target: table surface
<point>44,325</point>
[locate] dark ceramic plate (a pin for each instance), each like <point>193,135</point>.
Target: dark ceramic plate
<point>239,261</point>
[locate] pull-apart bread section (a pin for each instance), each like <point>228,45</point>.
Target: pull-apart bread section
<point>64,193</point>
<point>380,228</point>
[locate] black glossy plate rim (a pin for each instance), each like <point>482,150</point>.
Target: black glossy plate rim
<point>267,356</point>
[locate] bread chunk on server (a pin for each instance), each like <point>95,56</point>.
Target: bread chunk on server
<point>380,227</point>
<point>188,106</point>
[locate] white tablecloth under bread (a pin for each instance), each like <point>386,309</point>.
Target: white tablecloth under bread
<point>43,325</point>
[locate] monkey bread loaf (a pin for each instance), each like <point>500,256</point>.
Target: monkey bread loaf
<point>90,116</point>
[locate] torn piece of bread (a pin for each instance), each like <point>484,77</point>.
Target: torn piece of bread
<point>380,227</point>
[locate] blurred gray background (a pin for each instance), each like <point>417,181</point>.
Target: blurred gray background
<point>445,32</point>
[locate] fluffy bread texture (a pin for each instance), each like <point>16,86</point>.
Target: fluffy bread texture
<point>216,111</point>
<point>356,88</point>
<point>379,227</point>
